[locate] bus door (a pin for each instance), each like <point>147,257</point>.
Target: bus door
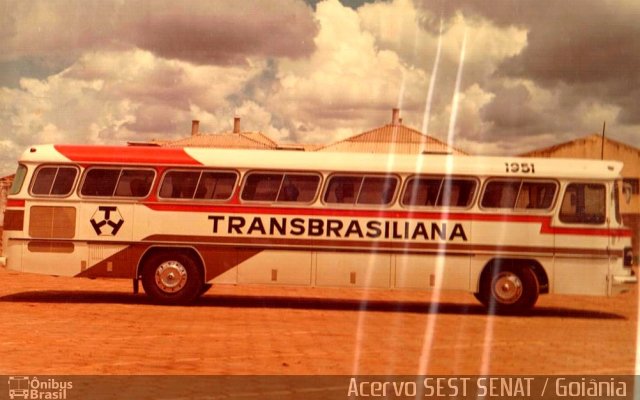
<point>581,253</point>
<point>614,221</point>
<point>620,245</point>
<point>52,229</point>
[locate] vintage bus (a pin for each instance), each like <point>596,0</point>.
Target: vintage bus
<point>181,219</point>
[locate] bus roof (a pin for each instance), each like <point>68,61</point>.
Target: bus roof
<point>325,161</point>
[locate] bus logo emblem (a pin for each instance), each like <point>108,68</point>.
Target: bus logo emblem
<point>19,387</point>
<point>107,217</point>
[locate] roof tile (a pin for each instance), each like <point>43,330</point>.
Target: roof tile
<point>391,139</point>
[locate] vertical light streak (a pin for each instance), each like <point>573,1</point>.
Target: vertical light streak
<point>456,93</point>
<point>427,343</point>
<point>432,84</point>
<point>489,328</point>
<point>371,264</point>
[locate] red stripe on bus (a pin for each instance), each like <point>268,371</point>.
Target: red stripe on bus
<point>374,245</point>
<point>127,155</point>
<point>547,228</point>
<point>15,203</point>
<point>544,221</point>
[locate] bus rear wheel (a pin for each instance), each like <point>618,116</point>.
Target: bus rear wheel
<point>172,278</point>
<point>509,289</point>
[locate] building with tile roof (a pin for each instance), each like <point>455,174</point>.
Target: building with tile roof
<point>236,139</point>
<point>5,185</point>
<point>394,137</point>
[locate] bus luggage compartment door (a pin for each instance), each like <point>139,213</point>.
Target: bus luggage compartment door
<point>51,248</point>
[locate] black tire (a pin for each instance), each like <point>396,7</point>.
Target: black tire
<point>172,278</point>
<point>508,289</point>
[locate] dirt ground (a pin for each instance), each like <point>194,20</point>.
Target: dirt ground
<point>56,325</point>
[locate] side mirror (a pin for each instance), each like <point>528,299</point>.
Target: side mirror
<point>626,191</point>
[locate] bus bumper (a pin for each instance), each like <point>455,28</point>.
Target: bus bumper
<point>622,284</point>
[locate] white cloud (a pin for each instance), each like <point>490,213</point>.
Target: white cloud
<point>112,97</point>
<point>401,27</point>
<point>348,81</point>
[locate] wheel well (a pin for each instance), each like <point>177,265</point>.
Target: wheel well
<point>536,267</point>
<point>188,251</point>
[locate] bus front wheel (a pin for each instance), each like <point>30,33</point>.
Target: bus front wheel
<point>508,289</point>
<point>172,278</point>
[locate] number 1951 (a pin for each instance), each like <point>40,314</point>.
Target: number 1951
<point>525,168</point>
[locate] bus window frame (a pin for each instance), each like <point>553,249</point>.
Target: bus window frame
<point>363,176</point>
<point>194,199</point>
<point>53,196</point>
<point>607,210</point>
<point>615,199</point>
<point>284,173</point>
<point>515,210</point>
<point>113,197</point>
<point>472,201</point>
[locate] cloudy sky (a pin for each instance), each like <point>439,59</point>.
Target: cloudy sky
<point>492,77</point>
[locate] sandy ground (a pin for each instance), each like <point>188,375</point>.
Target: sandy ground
<point>55,325</point>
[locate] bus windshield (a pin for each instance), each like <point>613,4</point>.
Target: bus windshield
<point>19,179</point>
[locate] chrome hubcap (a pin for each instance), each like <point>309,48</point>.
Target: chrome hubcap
<point>507,287</point>
<point>171,276</point>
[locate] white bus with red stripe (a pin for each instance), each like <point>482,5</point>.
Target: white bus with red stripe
<point>180,219</point>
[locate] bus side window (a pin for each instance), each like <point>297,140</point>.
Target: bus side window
<point>584,203</point>
<point>262,187</point>
<point>343,189</point>
<point>44,180</point>
<point>179,184</point>
<point>536,195</point>
<point>166,188</point>
<point>216,185</point>
<point>422,192</point>
<point>377,190</point>
<point>197,184</point>
<point>501,194</point>
<point>456,193</point>
<point>344,193</point>
<point>100,182</point>
<point>54,181</point>
<point>134,183</point>
<point>289,191</point>
<point>300,188</point>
